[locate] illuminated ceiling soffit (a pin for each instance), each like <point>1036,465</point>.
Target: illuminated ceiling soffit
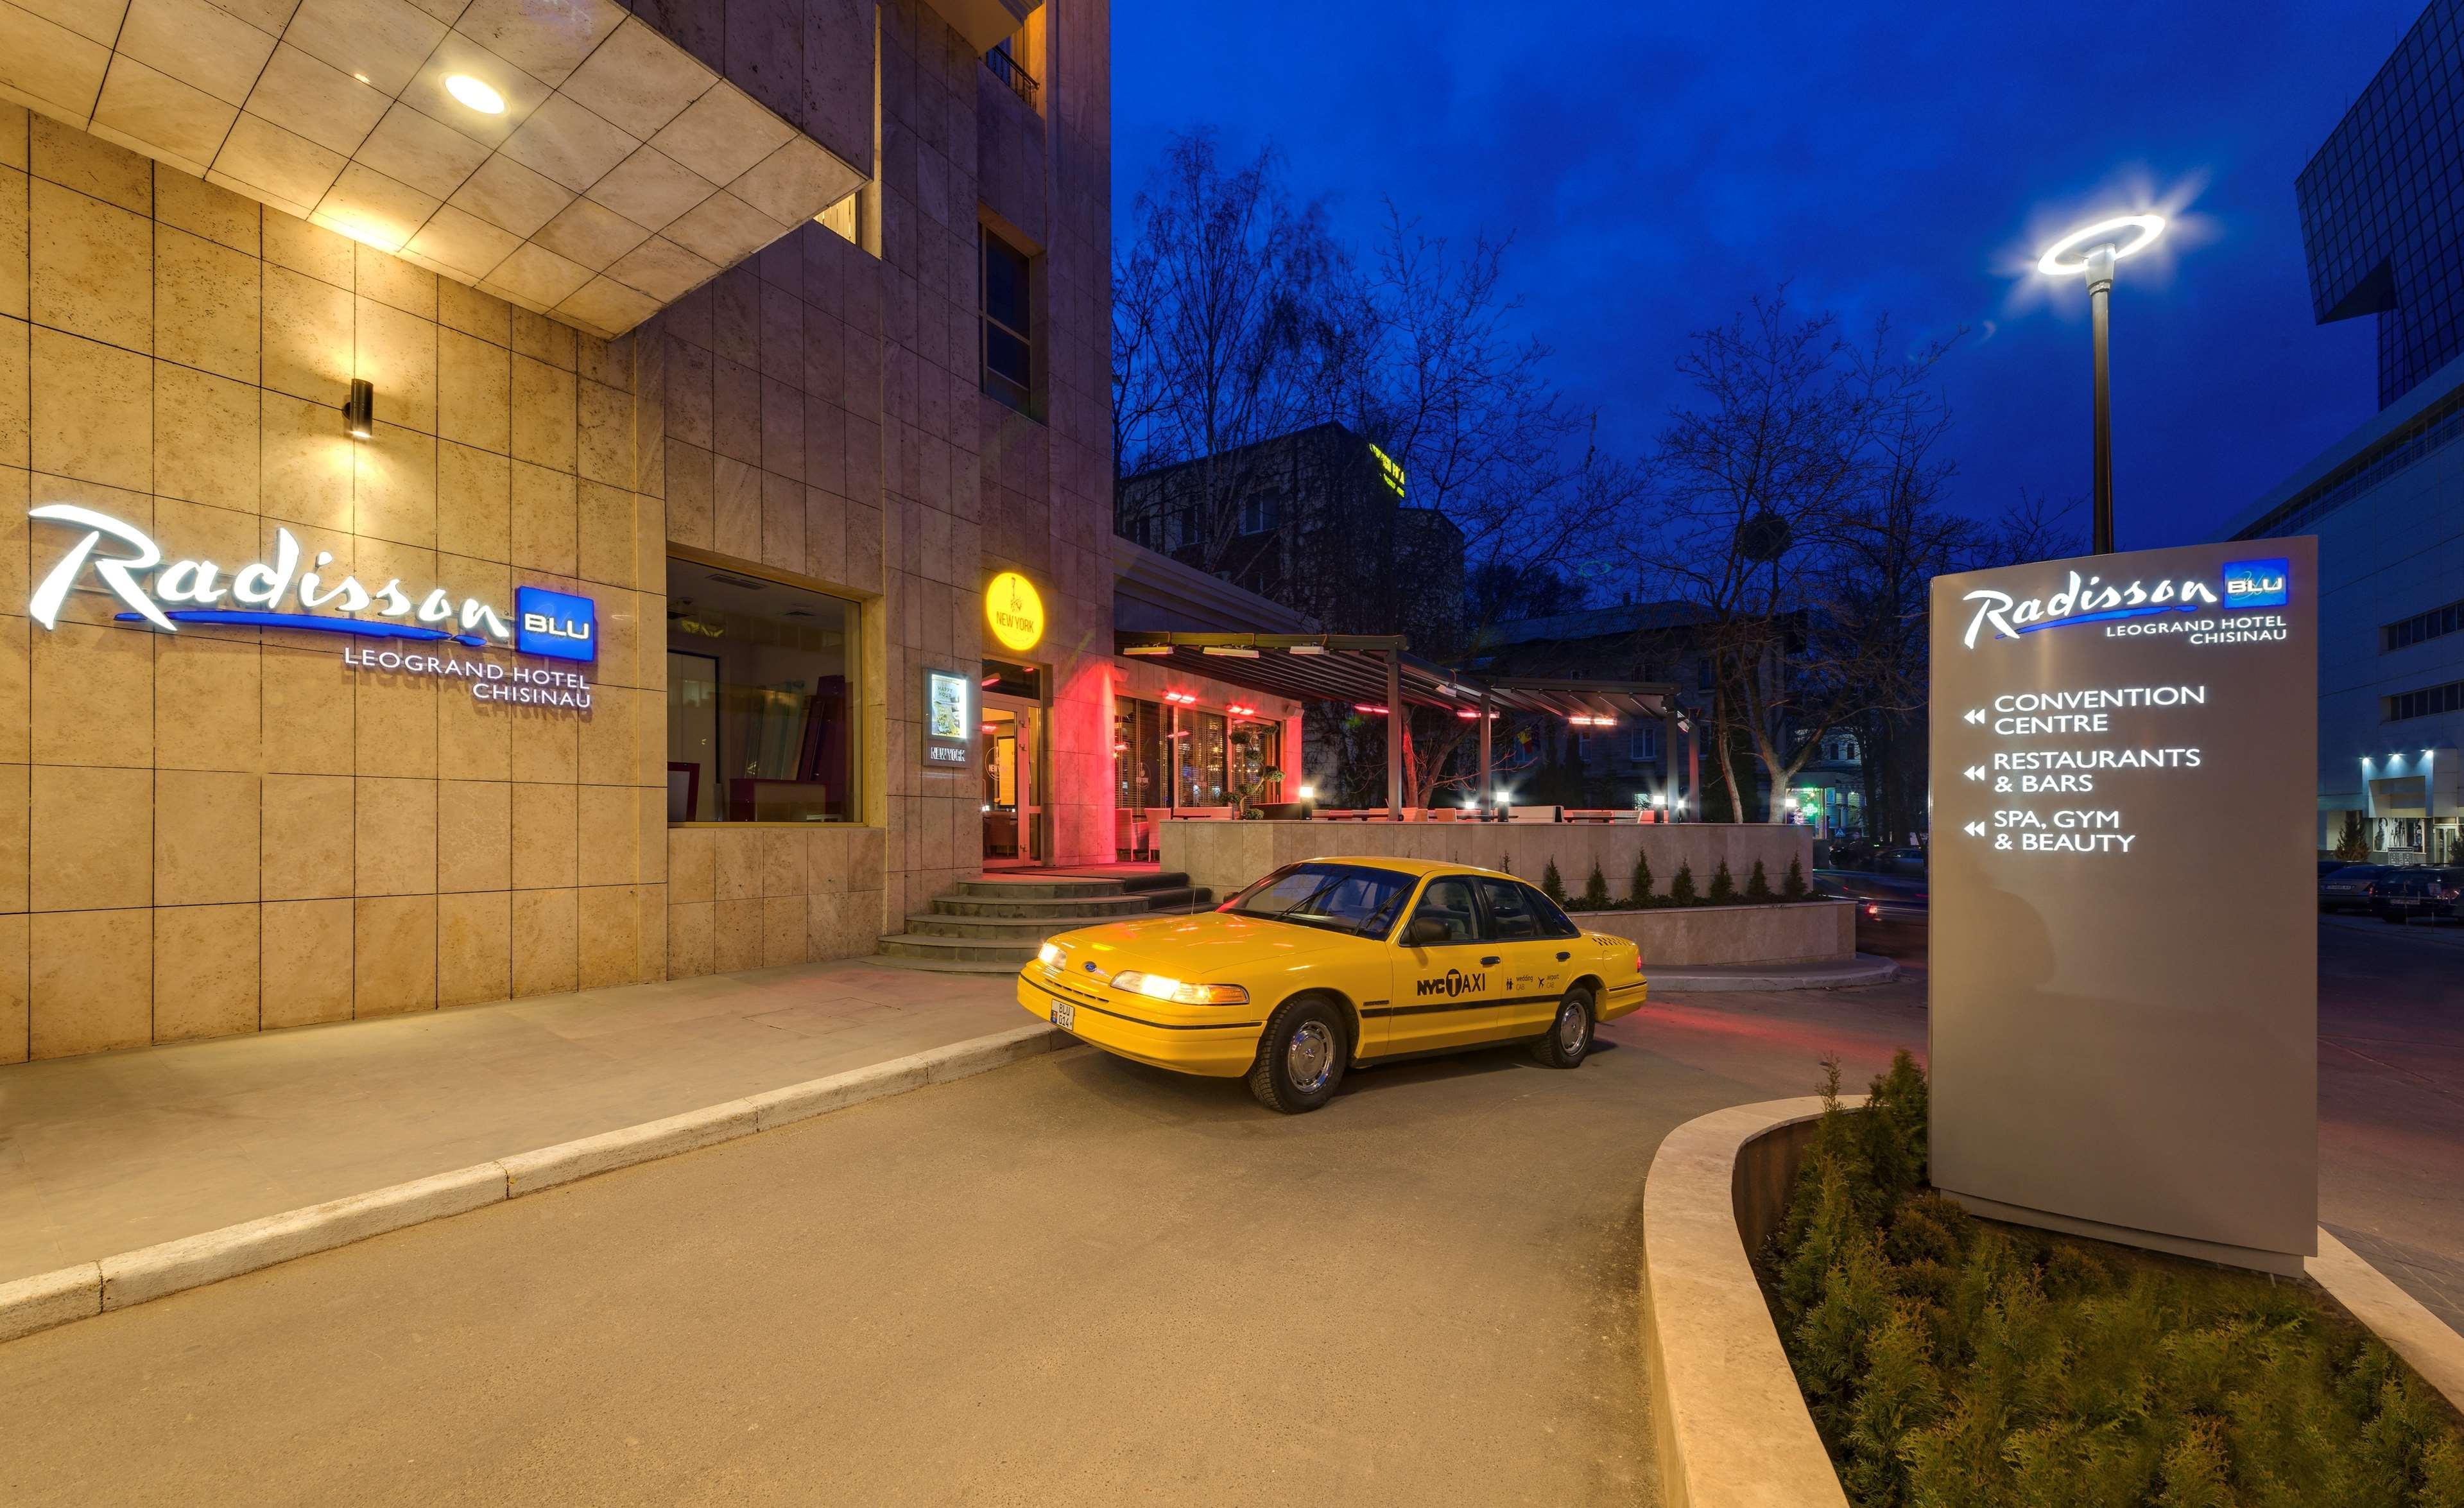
<point>618,174</point>
<point>984,23</point>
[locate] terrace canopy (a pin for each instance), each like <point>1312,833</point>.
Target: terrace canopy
<point>1377,674</point>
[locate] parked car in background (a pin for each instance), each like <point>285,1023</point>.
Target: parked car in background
<point>2328,866</point>
<point>2348,888</point>
<point>2418,891</point>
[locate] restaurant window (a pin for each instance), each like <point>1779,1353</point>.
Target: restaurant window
<point>1255,747</point>
<point>1201,759</point>
<point>761,699</point>
<point>1008,345</point>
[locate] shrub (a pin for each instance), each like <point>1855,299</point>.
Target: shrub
<point>1948,1359</point>
<point>1681,890</point>
<point>1551,884</point>
<point>1794,887</point>
<point>1722,889</point>
<point>1595,889</point>
<point>1641,895</point>
<point>1758,883</point>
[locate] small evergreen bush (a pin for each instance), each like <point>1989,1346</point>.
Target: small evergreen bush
<point>1551,885</point>
<point>1948,1359</point>
<point>1681,890</point>
<point>1758,883</point>
<point>1724,889</point>
<point>1595,889</point>
<point>1641,894</point>
<point>1794,887</point>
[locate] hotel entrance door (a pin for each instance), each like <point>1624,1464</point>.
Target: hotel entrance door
<point>1015,724</point>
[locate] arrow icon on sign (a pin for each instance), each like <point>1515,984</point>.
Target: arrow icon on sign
<point>1975,773</point>
<point>1976,829</point>
<point>1976,715</point>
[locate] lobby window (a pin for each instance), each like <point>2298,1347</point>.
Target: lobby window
<point>1254,748</point>
<point>1201,761</point>
<point>1008,345</point>
<point>761,699</point>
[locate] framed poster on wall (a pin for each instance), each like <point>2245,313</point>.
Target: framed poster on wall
<point>949,702</point>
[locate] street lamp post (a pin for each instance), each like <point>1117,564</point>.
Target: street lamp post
<point>2091,250</point>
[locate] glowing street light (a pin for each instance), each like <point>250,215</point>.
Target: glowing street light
<point>2091,250</point>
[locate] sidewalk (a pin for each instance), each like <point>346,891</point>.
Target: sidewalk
<point>104,1154</point>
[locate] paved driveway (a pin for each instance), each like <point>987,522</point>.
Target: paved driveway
<point>1073,1281</point>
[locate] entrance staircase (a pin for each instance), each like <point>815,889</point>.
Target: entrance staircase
<point>994,926</point>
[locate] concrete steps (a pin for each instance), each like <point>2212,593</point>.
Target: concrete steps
<point>994,926</point>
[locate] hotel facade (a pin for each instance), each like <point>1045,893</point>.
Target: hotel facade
<point>505,499</point>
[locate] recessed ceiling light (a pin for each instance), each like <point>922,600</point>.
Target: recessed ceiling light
<point>361,78</point>
<point>474,93</point>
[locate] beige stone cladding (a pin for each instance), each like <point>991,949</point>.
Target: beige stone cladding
<point>227,829</point>
<point>823,418</point>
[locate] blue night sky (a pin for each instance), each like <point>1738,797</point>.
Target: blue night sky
<point>1659,164</point>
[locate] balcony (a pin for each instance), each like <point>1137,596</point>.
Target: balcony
<point>1006,68</point>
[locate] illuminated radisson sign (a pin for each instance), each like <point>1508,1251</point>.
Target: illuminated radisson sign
<point>2247,584</point>
<point>286,593</point>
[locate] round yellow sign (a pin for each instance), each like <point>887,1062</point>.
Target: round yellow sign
<point>1015,611</point>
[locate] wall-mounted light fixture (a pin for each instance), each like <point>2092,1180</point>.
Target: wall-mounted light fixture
<point>359,412</point>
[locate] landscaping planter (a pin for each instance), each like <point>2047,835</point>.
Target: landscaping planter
<point>1780,932</point>
<point>1733,1425</point>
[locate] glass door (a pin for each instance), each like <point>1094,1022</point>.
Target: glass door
<point>1013,804</point>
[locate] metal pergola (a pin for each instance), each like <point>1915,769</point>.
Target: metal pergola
<point>1376,673</point>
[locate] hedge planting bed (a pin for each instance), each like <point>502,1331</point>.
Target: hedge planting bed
<point>1950,1361</point>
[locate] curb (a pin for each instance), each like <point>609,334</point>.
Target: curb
<point>1728,1415</point>
<point>1867,969</point>
<point>48,1299</point>
<point>2395,1317</point>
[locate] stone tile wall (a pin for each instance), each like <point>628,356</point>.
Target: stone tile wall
<point>227,829</point>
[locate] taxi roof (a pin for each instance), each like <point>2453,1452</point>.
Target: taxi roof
<point>1401,865</point>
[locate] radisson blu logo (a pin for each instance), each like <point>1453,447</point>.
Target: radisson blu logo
<point>283,592</point>
<point>2092,599</point>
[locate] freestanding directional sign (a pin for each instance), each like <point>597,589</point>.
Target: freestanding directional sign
<point>2124,951</point>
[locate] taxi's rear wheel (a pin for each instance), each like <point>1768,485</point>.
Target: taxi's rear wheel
<point>1301,1057</point>
<point>1569,1035</point>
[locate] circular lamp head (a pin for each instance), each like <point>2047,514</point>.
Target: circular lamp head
<point>2128,234</point>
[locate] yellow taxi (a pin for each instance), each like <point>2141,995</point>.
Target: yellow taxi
<point>1326,966</point>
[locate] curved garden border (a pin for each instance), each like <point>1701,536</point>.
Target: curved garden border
<point>1732,1425</point>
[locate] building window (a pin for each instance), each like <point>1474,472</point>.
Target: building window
<point>1261,512</point>
<point>761,699</point>
<point>1201,761</point>
<point>2427,703</point>
<point>2436,624</point>
<point>1008,345</point>
<point>1255,748</point>
<point>1642,742</point>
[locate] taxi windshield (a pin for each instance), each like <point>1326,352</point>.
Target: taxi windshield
<point>1340,898</point>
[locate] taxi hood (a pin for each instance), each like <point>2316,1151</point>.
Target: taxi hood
<point>1209,945</point>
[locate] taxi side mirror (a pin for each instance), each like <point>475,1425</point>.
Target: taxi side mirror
<point>1425,932</point>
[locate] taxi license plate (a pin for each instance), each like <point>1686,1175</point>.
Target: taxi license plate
<point>1064,1015</point>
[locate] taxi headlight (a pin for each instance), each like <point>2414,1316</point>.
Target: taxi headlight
<point>1051,955</point>
<point>1163,987</point>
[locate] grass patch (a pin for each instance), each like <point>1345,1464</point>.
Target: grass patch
<point>1957,1362</point>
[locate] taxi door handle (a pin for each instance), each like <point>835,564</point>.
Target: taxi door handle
<point>1562,957</point>
<point>1489,962</point>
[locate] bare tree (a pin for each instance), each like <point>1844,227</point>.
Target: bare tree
<point>1229,327</point>
<point>1804,454</point>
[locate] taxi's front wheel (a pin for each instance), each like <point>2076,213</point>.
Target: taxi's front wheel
<point>1301,1057</point>
<point>1570,1035</point>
